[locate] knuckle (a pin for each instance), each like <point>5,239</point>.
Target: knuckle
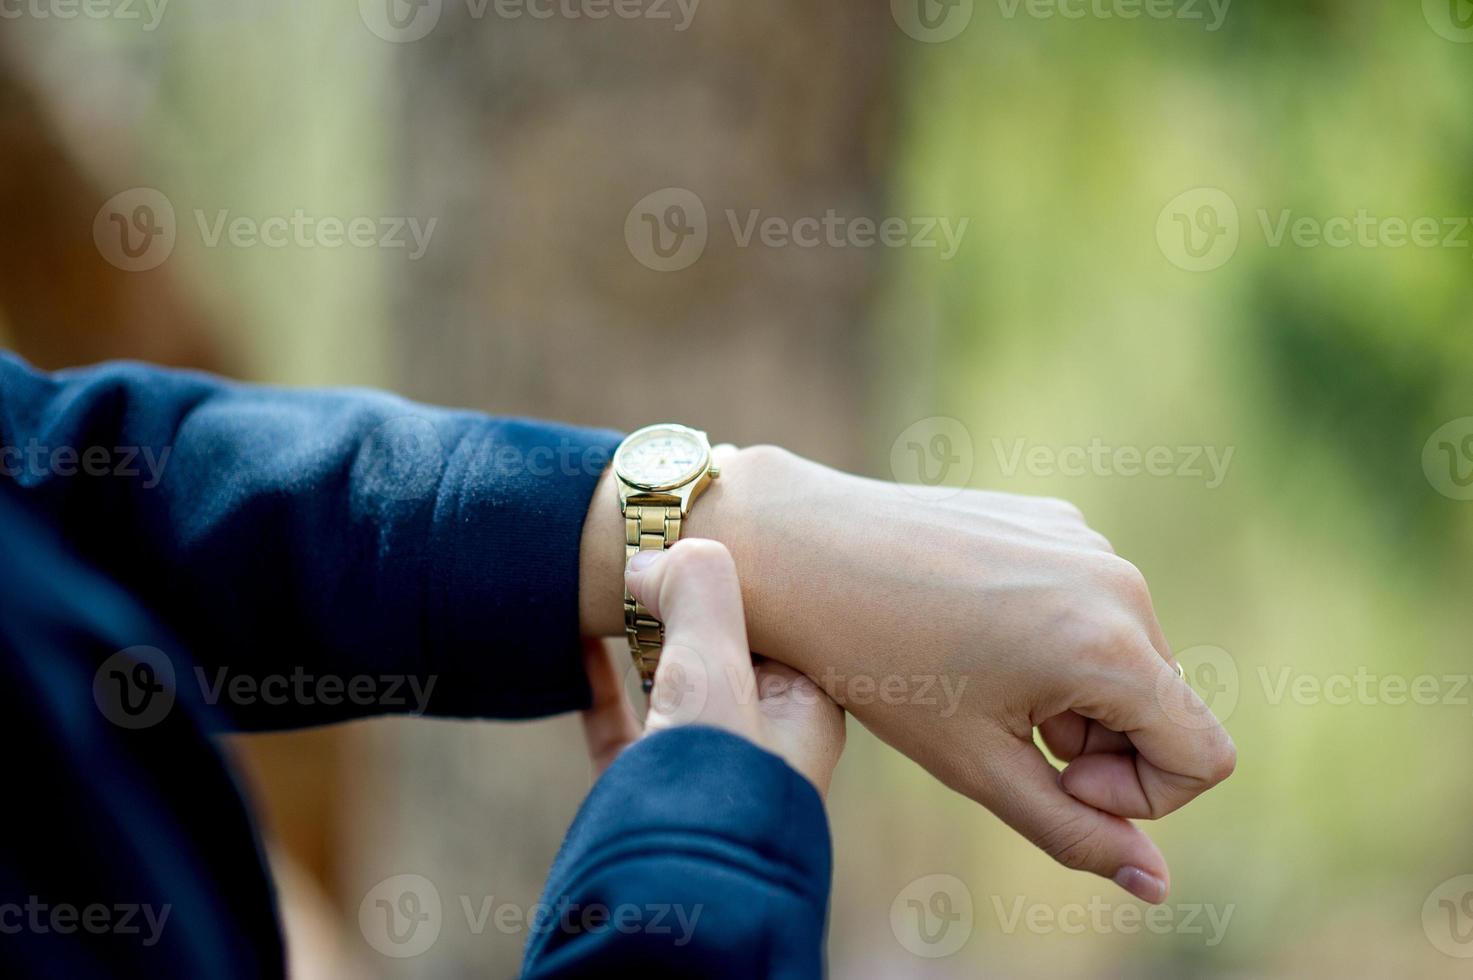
<point>1219,761</point>
<point>1124,575</point>
<point>1125,580</point>
<point>1108,640</point>
<point>1225,761</point>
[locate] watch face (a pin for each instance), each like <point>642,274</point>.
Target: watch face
<point>661,457</point>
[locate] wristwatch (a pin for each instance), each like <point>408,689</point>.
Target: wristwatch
<point>661,470</point>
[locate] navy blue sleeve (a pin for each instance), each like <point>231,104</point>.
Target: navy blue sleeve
<point>126,849</point>
<point>324,554</point>
<point>696,854</point>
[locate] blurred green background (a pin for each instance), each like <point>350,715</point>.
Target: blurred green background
<point>1308,589</point>
<point>1326,551</point>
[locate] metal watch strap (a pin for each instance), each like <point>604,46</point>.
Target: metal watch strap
<point>647,526</point>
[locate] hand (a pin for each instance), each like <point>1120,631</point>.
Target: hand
<point>706,674</point>
<point>952,630</point>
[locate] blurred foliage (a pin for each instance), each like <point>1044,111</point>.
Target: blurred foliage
<point>1326,549</point>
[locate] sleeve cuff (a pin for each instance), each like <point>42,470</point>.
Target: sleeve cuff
<point>709,790</point>
<point>502,593</point>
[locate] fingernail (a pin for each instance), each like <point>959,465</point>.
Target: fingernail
<point>1146,887</point>
<point>643,560</point>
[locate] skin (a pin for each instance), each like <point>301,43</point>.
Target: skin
<point>706,674</point>
<point>1013,601</point>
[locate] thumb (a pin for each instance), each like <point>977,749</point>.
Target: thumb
<point>1075,834</point>
<point>705,673</point>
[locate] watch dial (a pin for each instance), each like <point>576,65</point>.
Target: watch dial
<point>661,457</point>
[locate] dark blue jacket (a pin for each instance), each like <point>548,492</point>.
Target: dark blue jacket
<point>181,556</point>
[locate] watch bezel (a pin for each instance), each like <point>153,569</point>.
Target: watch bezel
<point>704,464</point>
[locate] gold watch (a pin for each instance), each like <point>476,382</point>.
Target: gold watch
<point>661,470</point>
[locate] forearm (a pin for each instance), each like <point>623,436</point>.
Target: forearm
<point>337,536</point>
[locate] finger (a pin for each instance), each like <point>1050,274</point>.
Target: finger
<point>1070,734</point>
<point>785,692</point>
<point>705,661</point>
<point>1030,800</point>
<point>804,724</point>
<point>1126,784</point>
<point>609,725</point>
<point>1182,750</point>
<point>692,588</point>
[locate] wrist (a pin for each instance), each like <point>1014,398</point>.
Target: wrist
<point>601,562</point>
<point>753,510</point>
<point>741,510</point>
